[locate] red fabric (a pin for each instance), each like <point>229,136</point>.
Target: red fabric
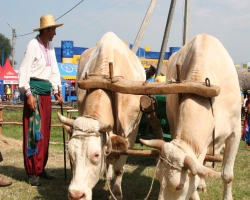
<point>8,73</point>
<point>36,163</point>
<point>244,127</point>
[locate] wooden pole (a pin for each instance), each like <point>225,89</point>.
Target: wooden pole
<point>144,25</point>
<point>165,37</point>
<point>186,22</point>
<point>156,153</point>
<point>64,147</point>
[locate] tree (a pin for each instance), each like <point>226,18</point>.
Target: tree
<point>6,47</point>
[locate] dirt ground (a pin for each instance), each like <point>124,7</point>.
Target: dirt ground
<point>9,143</point>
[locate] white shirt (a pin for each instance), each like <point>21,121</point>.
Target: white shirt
<point>34,66</point>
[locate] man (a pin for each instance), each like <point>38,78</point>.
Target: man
<point>38,75</point>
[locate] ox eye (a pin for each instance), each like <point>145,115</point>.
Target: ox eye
<point>179,187</point>
<point>96,155</point>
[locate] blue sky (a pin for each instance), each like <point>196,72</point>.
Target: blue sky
<point>227,20</point>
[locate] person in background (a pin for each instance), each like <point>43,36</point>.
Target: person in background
<point>246,102</point>
<point>7,92</point>
<point>3,183</point>
<point>17,94</point>
<point>245,109</point>
<point>73,92</point>
<point>38,76</point>
<point>242,104</point>
<point>246,128</point>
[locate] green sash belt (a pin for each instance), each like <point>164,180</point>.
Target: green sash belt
<point>37,87</point>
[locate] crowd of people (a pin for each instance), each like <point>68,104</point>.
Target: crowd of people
<point>11,94</point>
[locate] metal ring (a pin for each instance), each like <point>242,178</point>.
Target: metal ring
<point>207,82</point>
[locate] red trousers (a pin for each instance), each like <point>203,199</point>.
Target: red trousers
<point>36,163</point>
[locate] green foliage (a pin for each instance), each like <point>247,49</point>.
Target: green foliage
<point>4,46</point>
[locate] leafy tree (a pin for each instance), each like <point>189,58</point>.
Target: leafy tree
<point>6,47</point>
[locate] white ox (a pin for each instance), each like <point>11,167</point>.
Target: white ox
<point>192,120</point>
<point>86,147</point>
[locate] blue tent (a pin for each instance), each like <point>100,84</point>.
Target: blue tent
<point>1,89</point>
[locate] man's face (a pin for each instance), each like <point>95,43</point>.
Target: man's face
<point>50,32</point>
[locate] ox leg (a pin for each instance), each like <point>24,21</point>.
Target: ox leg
<point>118,171</point>
<point>231,148</point>
<point>202,185</point>
<point>109,173</point>
<point>195,196</point>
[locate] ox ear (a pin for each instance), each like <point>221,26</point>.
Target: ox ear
<point>207,172</point>
<point>65,120</point>
<point>104,127</point>
<point>119,143</point>
<point>67,129</point>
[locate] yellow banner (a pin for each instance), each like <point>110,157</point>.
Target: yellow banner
<point>67,60</point>
<point>147,62</point>
<point>76,59</point>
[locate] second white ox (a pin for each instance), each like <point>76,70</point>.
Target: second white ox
<point>87,146</point>
<point>193,118</point>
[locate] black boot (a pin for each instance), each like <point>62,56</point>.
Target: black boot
<point>33,180</point>
<point>45,175</point>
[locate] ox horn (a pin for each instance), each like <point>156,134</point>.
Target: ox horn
<point>105,127</point>
<point>157,144</point>
<point>67,129</point>
<point>65,120</point>
<point>191,165</point>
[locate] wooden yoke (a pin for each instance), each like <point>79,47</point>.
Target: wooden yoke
<point>120,85</point>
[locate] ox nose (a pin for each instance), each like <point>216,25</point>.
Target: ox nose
<point>76,195</point>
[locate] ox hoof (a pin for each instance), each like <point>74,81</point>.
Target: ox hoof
<point>202,189</point>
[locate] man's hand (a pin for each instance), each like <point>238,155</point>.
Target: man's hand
<point>31,101</point>
<point>59,98</point>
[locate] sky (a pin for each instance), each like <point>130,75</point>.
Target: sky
<point>227,20</point>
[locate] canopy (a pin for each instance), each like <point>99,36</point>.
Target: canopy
<point>64,81</point>
<point>68,71</point>
<point>244,78</point>
<point>8,74</point>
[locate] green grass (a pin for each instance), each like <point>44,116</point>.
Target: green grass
<point>136,180</point>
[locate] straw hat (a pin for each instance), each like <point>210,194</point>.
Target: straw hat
<point>47,21</point>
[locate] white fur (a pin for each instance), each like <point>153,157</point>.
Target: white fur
<point>99,105</point>
<point>192,119</point>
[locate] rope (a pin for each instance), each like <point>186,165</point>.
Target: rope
<point>152,182</point>
<point>166,162</point>
<point>110,189</point>
<point>106,171</point>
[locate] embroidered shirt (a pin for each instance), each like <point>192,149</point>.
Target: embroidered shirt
<point>35,65</point>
